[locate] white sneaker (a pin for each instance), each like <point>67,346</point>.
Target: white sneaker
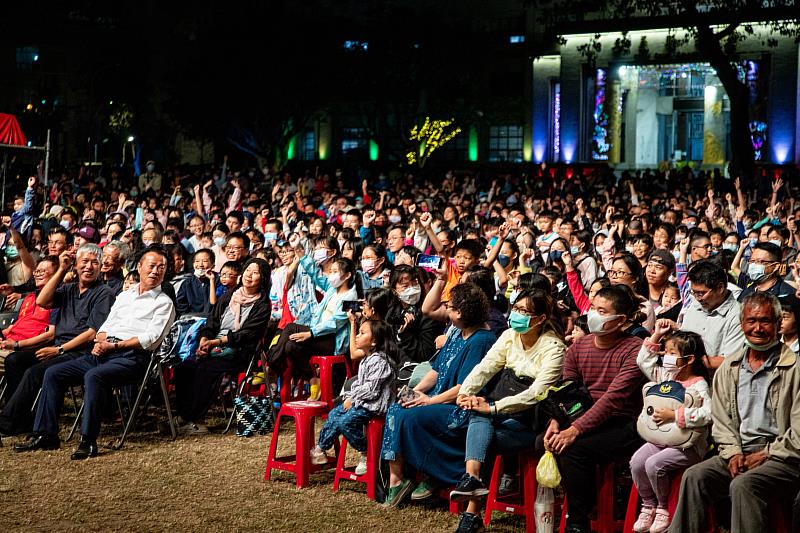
<point>318,457</point>
<point>361,467</point>
<point>645,520</point>
<point>661,521</point>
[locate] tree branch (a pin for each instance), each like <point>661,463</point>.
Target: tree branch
<point>727,31</point>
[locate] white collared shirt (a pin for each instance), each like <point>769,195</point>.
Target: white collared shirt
<point>145,316</point>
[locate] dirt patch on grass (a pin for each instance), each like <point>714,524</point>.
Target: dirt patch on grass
<point>207,483</point>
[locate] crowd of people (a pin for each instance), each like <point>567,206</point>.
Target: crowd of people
<point>460,301</point>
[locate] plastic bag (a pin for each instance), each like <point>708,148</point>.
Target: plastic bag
<point>547,474</point>
<point>544,509</point>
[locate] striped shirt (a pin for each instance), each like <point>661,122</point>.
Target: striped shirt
<point>611,375</point>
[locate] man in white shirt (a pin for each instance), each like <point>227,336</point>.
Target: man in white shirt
<point>137,322</point>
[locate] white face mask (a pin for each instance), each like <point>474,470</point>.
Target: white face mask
<point>513,297</point>
<point>320,256</point>
<point>670,363</point>
<point>219,241</point>
<point>596,322</point>
<point>368,265</point>
<point>394,219</point>
<point>200,272</point>
<point>335,280</point>
<point>410,295</point>
<point>147,243</point>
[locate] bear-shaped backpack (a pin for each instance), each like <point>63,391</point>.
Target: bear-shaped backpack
<point>670,395</point>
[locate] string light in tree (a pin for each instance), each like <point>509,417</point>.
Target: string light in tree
<point>432,135</point>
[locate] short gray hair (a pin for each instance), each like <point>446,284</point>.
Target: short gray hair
<point>123,249</point>
<point>757,299</point>
<point>90,248</point>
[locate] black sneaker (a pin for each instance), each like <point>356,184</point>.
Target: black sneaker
<point>468,488</point>
<point>470,523</point>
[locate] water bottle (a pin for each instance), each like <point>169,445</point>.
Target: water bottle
<point>544,509</point>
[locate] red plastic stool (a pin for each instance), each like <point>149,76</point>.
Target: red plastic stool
<point>326,364</point>
<point>605,522</point>
<point>374,440</point>
<point>633,501</point>
<point>512,503</point>
<point>304,413</point>
<point>454,508</point>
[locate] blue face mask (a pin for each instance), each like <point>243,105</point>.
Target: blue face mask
<point>574,250</point>
<point>730,247</point>
<point>555,255</point>
<point>504,260</point>
<point>519,322</point>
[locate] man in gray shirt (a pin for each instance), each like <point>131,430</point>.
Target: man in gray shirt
<point>713,313</point>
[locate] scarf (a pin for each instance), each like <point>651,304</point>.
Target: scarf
<point>239,299</point>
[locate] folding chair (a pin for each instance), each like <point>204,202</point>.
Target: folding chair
<point>155,371</point>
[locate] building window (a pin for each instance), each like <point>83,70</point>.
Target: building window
<point>308,146</point>
<point>505,143</point>
<point>26,57</point>
<point>353,140</point>
<point>456,149</point>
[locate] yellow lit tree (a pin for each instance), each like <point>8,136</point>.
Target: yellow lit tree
<point>432,135</point>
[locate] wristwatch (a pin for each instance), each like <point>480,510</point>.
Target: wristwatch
<point>60,349</point>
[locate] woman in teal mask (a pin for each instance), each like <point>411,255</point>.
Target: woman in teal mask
<point>526,359</point>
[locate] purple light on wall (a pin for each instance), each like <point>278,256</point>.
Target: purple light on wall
<point>600,146</point>
<point>557,122</point>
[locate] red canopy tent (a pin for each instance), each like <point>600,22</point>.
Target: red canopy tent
<point>10,132</point>
<point>11,137</point>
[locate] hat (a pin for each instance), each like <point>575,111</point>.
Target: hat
<point>88,233</point>
<point>56,211</point>
<point>663,257</point>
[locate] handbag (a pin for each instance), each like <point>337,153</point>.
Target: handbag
<point>506,383</point>
<point>253,416</point>
<point>565,403</point>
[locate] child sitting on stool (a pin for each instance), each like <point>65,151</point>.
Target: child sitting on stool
<point>369,396</point>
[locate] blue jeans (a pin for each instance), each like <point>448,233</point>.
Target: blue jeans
<point>350,424</point>
<point>98,375</point>
<point>511,436</point>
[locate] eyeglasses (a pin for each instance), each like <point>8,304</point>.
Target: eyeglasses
<point>699,294</point>
<point>234,248</point>
<point>522,311</point>
<point>707,246</point>
<point>618,273</point>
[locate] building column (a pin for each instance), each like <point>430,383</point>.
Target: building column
<point>646,128</point>
<point>713,123</point>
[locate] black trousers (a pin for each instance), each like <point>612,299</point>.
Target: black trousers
<point>196,383</point>
<point>616,439</point>
<point>25,375</point>
<point>299,353</point>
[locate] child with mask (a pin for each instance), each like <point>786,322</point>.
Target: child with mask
<point>652,465</point>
